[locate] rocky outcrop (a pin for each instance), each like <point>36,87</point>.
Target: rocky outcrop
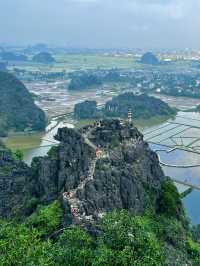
<point>94,170</point>
<point>14,176</point>
<point>97,169</point>
<point>63,168</point>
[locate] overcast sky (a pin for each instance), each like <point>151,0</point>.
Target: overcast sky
<point>102,23</point>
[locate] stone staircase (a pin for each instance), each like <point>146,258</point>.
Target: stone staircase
<point>76,205</point>
<point>77,209</point>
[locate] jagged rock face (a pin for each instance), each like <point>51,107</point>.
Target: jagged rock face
<point>63,168</point>
<point>123,176</point>
<point>94,170</point>
<point>14,176</point>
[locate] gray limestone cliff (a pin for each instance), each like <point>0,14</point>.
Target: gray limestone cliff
<point>14,176</point>
<point>99,169</point>
<point>93,170</point>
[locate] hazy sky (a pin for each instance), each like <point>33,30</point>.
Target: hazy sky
<point>102,23</point>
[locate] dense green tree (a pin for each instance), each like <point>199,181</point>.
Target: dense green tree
<point>46,219</point>
<point>149,58</point>
<point>43,57</point>
<point>85,110</point>
<point>18,154</point>
<point>21,246</point>
<point>142,106</point>
<point>122,240</point>
<point>84,81</point>
<point>170,201</point>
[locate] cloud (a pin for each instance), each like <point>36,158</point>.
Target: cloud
<point>101,23</point>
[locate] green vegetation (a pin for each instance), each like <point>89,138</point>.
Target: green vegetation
<point>142,123</point>
<point>154,238</point>
<point>196,233</point>
<point>9,56</point>
<point>124,240</point>
<point>18,111</point>
<point>44,58</point>
<point>186,192</point>
<point>46,219</point>
<point>93,61</point>
<point>84,122</point>
<point>85,110</point>
<point>23,141</point>
<point>150,59</point>
<point>18,155</point>
<point>84,81</point>
<point>170,202</point>
<point>139,123</point>
<point>142,107</point>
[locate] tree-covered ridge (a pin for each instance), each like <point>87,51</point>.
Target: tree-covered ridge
<point>85,110</point>
<point>89,79</point>
<point>84,81</point>
<point>150,59</point>
<point>17,108</point>
<point>121,239</point>
<point>142,106</point>
<point>43,57</point>
<point>9,56</point>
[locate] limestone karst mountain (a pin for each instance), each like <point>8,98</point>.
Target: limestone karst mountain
<point>96,170</point>
<point>18,111</point>
<point>150,59</point>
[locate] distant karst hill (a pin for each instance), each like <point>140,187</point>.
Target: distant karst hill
<point>84,81</point>
<point>44,57</point>
<point>142,107</point>
<point>17,108</point>
<point>9,56</point>
<point>150,59</point>
<point>3,66</point>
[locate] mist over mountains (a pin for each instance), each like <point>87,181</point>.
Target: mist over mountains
<point>101,24</point>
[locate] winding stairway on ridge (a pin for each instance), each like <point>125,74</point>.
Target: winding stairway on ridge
<point>76,205</point>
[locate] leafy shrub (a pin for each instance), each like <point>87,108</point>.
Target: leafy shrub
<point>18,155</point>
<point>21,246</point>
<point>124,240</point>
<point>194,251</point>
<point>133,237</point>
<point>46,219</point>
<point>170,203</point>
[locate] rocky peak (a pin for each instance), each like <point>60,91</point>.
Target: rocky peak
<point>99,168</point>
<point>112,132</point>
<point>93,170</point>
